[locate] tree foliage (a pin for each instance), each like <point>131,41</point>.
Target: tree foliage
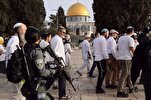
<point>30,12</point>
<point>61,17</point>
<point>58,19</point>
<point>119,14</point>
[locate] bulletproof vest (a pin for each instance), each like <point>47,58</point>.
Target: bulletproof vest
<point>32,67</point>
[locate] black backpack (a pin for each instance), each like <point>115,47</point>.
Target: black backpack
<point>14,70</point>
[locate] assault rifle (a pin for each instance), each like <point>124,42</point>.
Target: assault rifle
<point>60,64</point>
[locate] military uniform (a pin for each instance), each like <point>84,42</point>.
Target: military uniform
<point>38,73</point>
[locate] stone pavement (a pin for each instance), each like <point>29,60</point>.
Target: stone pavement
<point>85,86</point>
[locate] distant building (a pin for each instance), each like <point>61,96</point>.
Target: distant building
<point>77,20</point>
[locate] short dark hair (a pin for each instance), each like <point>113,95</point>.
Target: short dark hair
<point>45,35</point>
<point>32,35</point>
<point>129,29</point>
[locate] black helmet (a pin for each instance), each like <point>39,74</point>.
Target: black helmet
<point>32,34</point>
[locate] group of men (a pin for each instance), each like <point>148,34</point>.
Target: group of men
<point>111,56</point>
<point>38,60</point>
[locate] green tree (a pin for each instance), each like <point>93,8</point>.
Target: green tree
<point>57,20</point>
<point>30,12</point>
<point>119,14</point>
<point>61,17</point>
<point>53,21</point>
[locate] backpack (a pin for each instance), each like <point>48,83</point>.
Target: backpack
<point>15,66</point>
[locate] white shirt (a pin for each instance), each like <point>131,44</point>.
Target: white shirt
<point>124,44</point>
<point>43,44</point>
<point>111,47</point>
<point>67,48</point>
<point>85,48</point>
<point>12,44</point>
<point>68,51</point>
<point>100,48</point>
<point>58,46</point>
<point>2,53</point>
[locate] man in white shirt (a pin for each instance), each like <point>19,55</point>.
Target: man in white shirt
<point>112,68</point>
<point>125,48</point>
<point>58,48</point>
<point>68,51</point>
<point>100,53</point>
<point>19,29</point>
<point>86,54</point>
<point>94,63</point>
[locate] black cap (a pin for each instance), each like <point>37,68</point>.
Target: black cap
<point>32,34</point>
<point>31,30</point>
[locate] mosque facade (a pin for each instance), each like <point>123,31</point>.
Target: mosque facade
<point>77,20</point>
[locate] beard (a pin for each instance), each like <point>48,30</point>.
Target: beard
<point>22,36</point>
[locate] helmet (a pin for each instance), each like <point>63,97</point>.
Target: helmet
<point>1,40</point>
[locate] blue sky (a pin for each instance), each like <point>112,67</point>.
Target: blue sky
<point>52,5</point>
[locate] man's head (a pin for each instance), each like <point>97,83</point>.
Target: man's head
<point>113,33</point>
<point>88,36</point>
<point>46,36</point>
<point>67,38</point>
<point>97,34</point>
<point>61,31</point>
<point>129,30</point>
<point>105,32</point>
<point>20,28</point>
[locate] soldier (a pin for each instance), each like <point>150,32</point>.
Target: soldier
<point>33,88</point>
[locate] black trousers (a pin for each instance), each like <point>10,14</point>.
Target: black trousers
<point>101,65</point>
<point>93,67</point>
<point>147,88</point>
<point>2,67</point>
<point>61,83</point>
<point>135,70</point>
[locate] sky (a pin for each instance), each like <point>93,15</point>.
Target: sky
<point>51,6</point>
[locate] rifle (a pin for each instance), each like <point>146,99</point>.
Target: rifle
<point>28,75</point>
<point>60,64</point>
<point>21,44</point>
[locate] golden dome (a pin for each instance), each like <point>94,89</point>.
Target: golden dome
<point>77,9</point>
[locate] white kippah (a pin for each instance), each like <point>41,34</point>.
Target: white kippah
<point>17,25</point>
<point>104,30</point>
<point>113,31</point>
